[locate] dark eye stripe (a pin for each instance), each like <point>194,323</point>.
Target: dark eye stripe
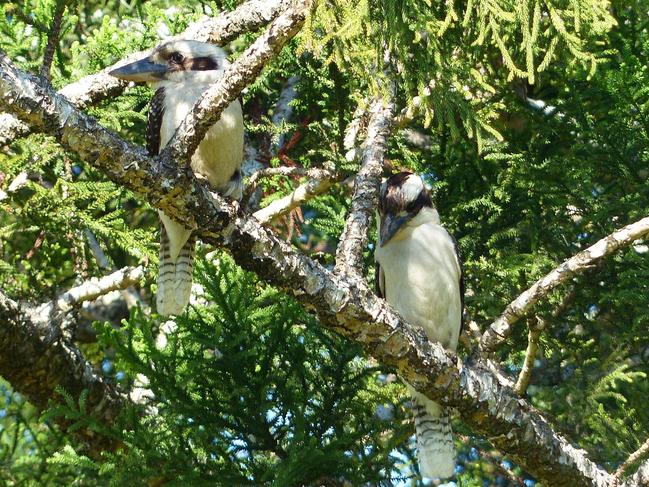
<point>201,64</point>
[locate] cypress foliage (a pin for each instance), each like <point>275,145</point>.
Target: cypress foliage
<point>535,116</point>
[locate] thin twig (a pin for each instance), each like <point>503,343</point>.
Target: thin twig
<point>284,171</point>
<point>349,254</point>
<point>37,245</point>
<point>501,328</point>
<point>636,456</point>
<point>52,39</point>
<point>301,194</point>
<point>88,291</point>
<point>533,334</point>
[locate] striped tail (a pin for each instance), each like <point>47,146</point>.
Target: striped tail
<point>175,274</point>
<point>435,449</point>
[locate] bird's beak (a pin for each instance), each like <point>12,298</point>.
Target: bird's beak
<point>144,70</point>
<point>390,225</point>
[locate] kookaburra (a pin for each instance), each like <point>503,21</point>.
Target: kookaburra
<point>418,271</point>
<point>180,71</point>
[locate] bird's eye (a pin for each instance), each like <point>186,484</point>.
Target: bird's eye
<point>177,58</point>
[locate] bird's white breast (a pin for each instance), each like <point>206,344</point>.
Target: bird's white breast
<point>422,276</point>
<point>220,153</point>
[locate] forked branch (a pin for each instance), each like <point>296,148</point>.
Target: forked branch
<point>501,328</point>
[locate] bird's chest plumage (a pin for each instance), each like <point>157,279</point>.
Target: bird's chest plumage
<point>421,280</point>
<point>220,153</point>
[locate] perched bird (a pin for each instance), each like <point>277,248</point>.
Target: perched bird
<point>180,71</point>
<point>418,271</point>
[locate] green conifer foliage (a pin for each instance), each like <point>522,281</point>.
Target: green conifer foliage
<point>535,117</point>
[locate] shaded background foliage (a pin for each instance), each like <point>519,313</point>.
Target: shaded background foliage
<point>535,146</point>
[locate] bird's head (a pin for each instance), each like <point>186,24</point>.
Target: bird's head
<point>404,202</point>
<point>177,61</point>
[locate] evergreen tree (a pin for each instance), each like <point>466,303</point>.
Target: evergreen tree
<point>528,119</point>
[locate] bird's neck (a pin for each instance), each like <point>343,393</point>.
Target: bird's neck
<point>426,215</point>
<point>179,99</point>
<point>186,87</point>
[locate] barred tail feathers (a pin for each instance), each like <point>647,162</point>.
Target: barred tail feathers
<point>177,246</point>
<point>435,449</point>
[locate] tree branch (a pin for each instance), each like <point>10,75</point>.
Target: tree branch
<point>344,304</point>
<point>96,87</point>
<point>241,73</point>
<point>533,334</point>
<point>349,255</point>
<point>640,453</point>
<point>88,291</point>
<point>38,357</point>
<point>304,192</point>
<point>52,39</point>
<point>501,328</point>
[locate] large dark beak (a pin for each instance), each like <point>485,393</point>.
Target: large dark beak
<point>141,71</point>
<point>390,225</point>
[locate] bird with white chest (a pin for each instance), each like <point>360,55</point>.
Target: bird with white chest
<point>419,272</point>
<point>180,71</point>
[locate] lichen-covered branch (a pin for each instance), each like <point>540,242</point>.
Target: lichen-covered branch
<point>38,357</point>
<point>344,303</point>
<point>240,74</point>
<point>349,254</point>
<point>94,88</point>
<point>248,16</point>
<point>501,328</point>
<point>304,192</point>
<point>89,291</point>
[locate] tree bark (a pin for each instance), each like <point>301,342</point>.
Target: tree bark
<point>344,304</point>
<point>38,357</point>
<point>349,254</point>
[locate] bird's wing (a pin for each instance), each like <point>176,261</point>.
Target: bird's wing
<point>154,122</point>
<point>379,280</point>
<point>461,283</point>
